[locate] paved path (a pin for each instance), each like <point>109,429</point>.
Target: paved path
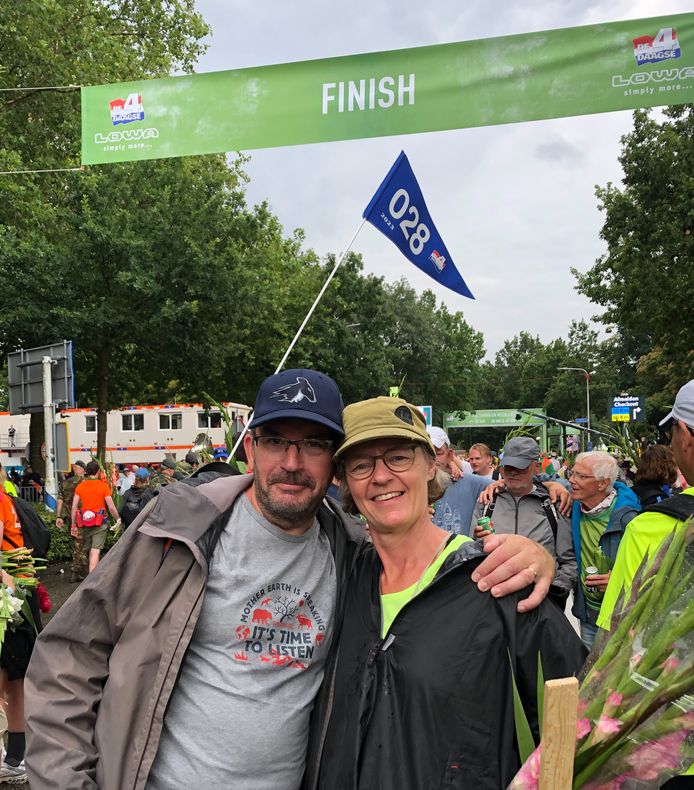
<point>59,588</point>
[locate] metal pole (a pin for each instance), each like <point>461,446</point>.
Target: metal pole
<point>48,420</point>
<point>587,375</point>
<point>318,298</point>
<point>588,404</point>
<point>301,329</point>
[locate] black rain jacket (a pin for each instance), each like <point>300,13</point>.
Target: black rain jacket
<point>431,705</point>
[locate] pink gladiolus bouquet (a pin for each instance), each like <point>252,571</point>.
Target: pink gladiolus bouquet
<point>635,724</point>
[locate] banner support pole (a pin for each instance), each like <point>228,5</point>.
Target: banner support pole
<point>301,328</point>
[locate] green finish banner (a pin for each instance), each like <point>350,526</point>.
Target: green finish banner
<point>550,74</point>
<point>490,418</point>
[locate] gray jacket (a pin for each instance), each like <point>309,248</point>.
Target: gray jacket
<point>104,668</point>
<point>528,516</point>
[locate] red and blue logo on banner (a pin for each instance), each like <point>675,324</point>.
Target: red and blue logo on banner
<point>655,49</point>
<point>127,110</point>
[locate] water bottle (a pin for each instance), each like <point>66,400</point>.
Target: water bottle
<point>447,518</point>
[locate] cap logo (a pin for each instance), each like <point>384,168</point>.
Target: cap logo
<point>298,391</point>
<point>404,414</point>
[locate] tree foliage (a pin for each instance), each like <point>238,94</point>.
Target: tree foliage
<point>645,281</point>
<point>166,281</point>
<point>53,44</point>
<point>526,373</point>
<point>46,47</point>
<point>370,335</point>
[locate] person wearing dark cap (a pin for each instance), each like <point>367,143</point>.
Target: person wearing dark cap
<point>423,693</point>
<point>80,560</point>
<point>168,473</point>
<point>199,645</point>
<point>220,454</point>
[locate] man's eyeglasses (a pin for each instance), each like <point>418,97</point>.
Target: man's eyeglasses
<point>581,476</point>
<point>398,459</point>
<point>311,448</point>
<point>669,428</point>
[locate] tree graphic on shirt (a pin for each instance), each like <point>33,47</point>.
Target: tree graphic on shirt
<point>285,608</point>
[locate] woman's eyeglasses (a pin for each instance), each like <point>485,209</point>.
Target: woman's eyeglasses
<point>398,459</point>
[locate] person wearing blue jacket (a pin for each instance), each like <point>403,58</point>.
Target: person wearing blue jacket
<point>602,509</point>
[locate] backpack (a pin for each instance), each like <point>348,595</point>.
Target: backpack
<point>36,534</point>
<point>680,507</point>
<point>547,506</point>
<point>559,597</point>
<point>133,502</point>
<point>648,492</point>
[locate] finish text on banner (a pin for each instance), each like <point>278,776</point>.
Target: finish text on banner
<point>398,210</point>
<point>550,74</point>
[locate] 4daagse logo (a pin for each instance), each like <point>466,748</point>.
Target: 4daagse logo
<point>655,49</point>
<point>438,260</point>
<point>127,110</point>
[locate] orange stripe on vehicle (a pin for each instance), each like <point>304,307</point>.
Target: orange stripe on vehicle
<point>129,447</point>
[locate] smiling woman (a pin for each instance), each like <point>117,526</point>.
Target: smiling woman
<point>411,707</point>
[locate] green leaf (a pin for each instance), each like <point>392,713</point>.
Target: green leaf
<point>540,691</point>
<point>28,616</point>
<point>524,735</point>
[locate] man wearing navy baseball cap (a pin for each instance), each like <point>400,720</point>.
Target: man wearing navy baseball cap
<point>199,646</point>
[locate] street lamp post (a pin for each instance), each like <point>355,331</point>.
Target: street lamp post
<point>587,375</point>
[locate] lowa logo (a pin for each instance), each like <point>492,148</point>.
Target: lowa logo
<point>126,135</point>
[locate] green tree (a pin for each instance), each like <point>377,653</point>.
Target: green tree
<point>526,372</point>
<point>347,335</point>
<point>46,45</point>
<point>369,335</point>
<point>645,281</point>
<point>144,268</point>
<point>521,373</point>
<point>436,351</point>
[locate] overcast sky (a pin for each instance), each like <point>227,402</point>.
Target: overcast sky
<point>514,204</point>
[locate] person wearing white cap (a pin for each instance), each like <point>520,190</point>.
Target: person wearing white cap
<point>646,531</point>
<point>445,453</point>
<point>454,510</point>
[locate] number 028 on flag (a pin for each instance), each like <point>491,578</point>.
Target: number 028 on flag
<point>398,210</point>
<point>414,231</point>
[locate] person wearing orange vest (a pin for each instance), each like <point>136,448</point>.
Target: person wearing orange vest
<point>14,656</point>
<point>89,504</point>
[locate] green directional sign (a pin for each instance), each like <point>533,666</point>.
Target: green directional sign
<point>491,418</point>
<point>548,74</point>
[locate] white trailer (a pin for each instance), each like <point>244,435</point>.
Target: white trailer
<point>134,434</point>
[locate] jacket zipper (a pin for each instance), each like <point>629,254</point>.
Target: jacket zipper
<point>383,644</point>
<point>150,722</point>
<point>333,675</point>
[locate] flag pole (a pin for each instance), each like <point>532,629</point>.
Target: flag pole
<point>318,298</point>
<point>301,328</point>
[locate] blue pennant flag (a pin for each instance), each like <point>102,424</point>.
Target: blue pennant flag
<point>398,210</point>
